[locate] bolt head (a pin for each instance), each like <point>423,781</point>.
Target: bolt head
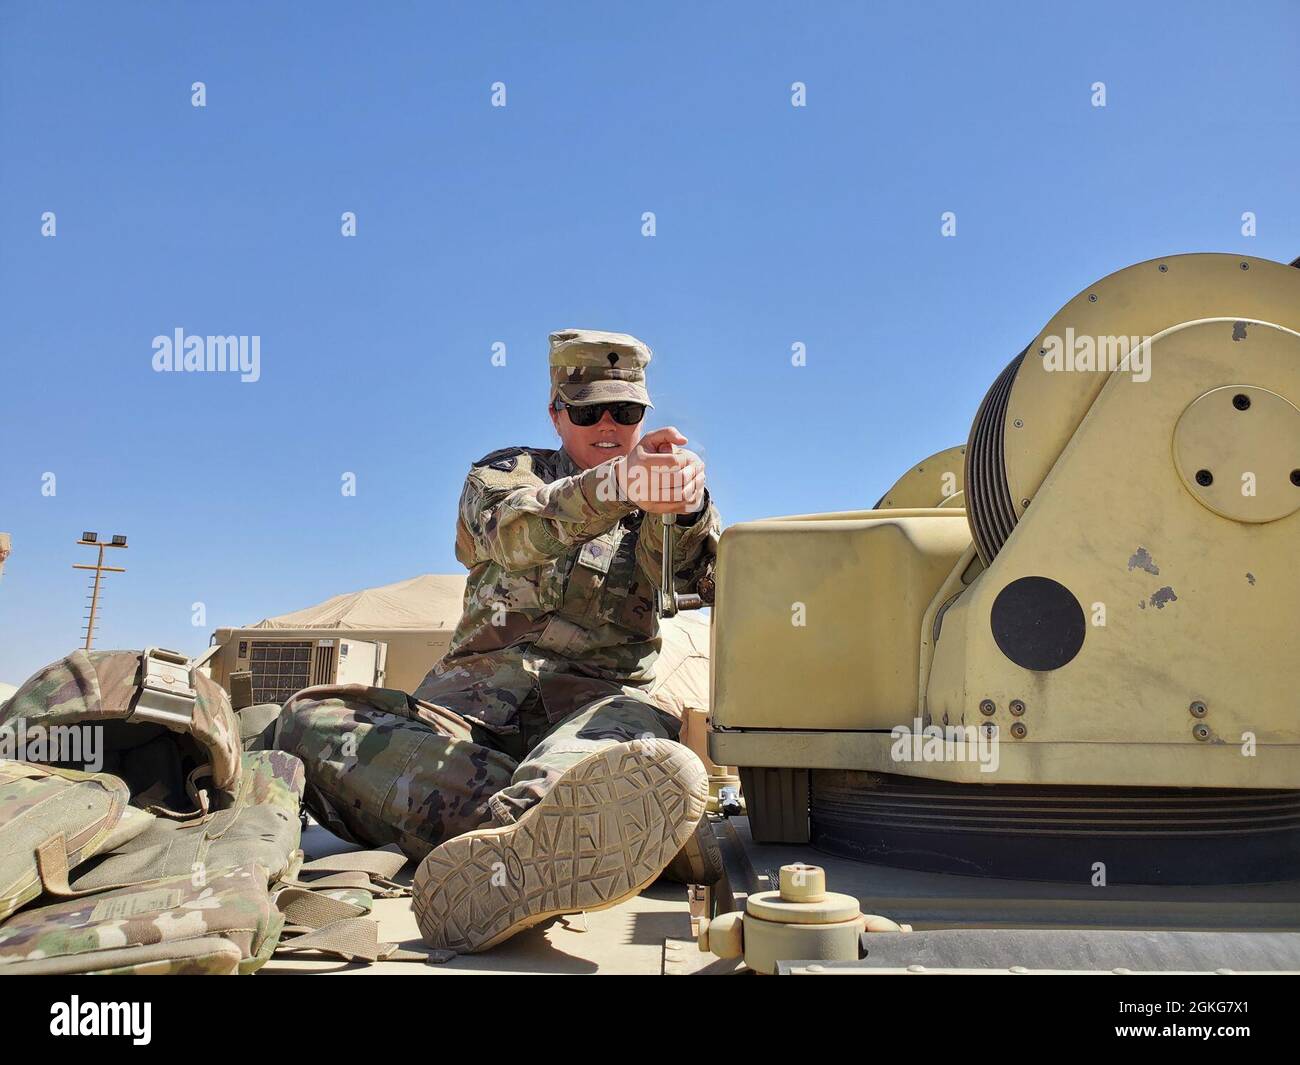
<point>987,708</point>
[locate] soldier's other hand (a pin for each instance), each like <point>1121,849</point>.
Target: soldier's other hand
<point>662,441</point>
<point>660,477</point>
<point>684,492</point>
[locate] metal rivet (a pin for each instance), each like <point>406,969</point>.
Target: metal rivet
<point>814,969</point>
<point>1245,266</point>
<point>1018,969</point>
<point>987,708</point>
<point>1019,731</point>
<point>916,968</point>
<point>1024,502</point>
<point>1163,268</point>
<point>1204,478</point>
<point>1241,401</point>
<point>1092,297</point>
<point>1018,424</point>
<point>1197,709</point>
<point>1201,731</point>
<point>1122,972</point>
<point>1017,707</point>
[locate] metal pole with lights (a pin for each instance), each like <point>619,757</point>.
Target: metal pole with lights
<point>91,539</point>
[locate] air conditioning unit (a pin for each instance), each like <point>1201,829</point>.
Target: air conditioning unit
<point>279,666</point>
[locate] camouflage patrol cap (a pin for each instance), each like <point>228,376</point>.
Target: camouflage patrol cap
<point>589,366</point>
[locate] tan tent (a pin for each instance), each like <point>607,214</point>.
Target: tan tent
<point>415,618</point>
<point>430,601</point>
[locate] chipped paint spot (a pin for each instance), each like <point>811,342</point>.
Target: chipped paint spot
<point>1163,596</point>
<point>1250,577</point>
<point>1141,559</point>
<point>1238,330</point>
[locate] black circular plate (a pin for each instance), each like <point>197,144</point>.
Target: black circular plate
<point>1037,623</point>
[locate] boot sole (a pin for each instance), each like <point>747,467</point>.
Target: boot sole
<point>604,831</point>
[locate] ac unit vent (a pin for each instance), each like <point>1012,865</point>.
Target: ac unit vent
<point>322,670</point>
<point>280,668</point>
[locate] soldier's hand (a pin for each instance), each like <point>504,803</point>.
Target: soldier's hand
<point>660,477</point>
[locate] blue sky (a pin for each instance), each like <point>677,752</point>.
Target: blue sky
<point>479,225</point>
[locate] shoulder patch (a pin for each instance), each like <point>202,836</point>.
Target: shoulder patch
<point>511,467</point>
<point>505,459</point>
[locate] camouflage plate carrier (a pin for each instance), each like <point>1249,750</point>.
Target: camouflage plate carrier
<point>181,852</point>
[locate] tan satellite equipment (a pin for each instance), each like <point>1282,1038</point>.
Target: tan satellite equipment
<point>1099,592</point>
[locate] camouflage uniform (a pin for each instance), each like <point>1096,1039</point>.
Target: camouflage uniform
<point>557,640</point>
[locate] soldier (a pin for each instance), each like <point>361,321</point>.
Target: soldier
<point>563,787</point>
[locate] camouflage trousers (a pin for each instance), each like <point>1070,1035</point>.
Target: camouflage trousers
<point>384,767</point>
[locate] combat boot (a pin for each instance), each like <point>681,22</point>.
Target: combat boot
<point>604,831</point>
<point>700,859</point>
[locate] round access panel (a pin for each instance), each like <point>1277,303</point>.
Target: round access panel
<point>1237,449</point>
<point>1037,623</point>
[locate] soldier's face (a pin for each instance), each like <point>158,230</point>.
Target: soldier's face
<point>590,445</point>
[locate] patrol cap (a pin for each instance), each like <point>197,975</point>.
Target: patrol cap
<point>590,366</point>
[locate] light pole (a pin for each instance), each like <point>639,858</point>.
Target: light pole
<point>90,539</point>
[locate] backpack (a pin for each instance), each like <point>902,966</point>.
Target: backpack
<point>223,925</point>
<point>77,814</point>
<point>200,809</point>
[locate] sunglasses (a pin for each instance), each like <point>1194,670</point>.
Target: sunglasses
<point>590,413</point>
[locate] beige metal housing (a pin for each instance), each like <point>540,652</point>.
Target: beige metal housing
<point>1188,594</point>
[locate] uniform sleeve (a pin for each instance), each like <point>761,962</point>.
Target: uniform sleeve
<point>689,543</point>
<point>517,520</point>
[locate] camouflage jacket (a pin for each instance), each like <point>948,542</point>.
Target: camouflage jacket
<point>560,600</point>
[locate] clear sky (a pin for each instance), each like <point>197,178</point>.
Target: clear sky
<point>476,224</point>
